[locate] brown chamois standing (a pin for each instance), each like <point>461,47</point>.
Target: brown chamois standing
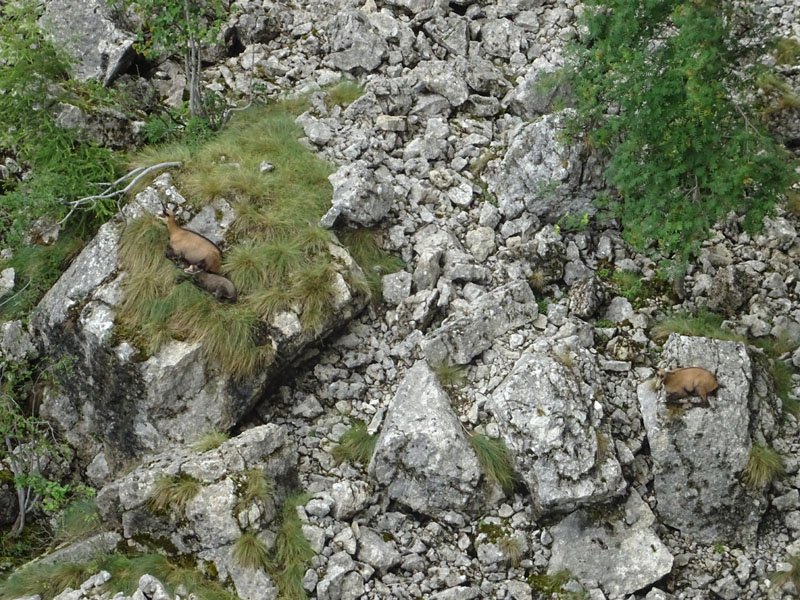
<point>689,381</point>
<point>191,247</point>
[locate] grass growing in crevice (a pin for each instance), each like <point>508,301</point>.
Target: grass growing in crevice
<point>172,493</point>
<point>365,247</point>
<point>781,578</point>
<point>704,324</point>
<point>495,460</point>
<point>79,520</point>
<point>250,552</point>
<point>782,377</point>
<point>356,445</point>
<point>764,466</point>
<point>254,488</point>
<point>293,553</point>
<point>451,376</point>
<point>36,269</point>
<point>210,441</point>
<point>51,579</point>
<point>344,93</point>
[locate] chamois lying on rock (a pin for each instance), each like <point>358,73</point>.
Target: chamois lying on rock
<point>186,245</point>
<point>220,287</point>
<point>689,381</point>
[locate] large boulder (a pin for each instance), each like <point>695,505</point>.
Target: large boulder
<point>84,28</point>
<point>466,334</point>
<point>619,550</point>
<point>552,422</point>
<point>422,456</point>
<point>114,403</point>
<point>539,172</point>
<point>700,452</point>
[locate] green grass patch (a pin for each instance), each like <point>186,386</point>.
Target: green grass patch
<point>451,376</point>
<point>250,552</point>
<point>50,580</point>
<point>764,466</point>
<point>495,460</point>
<point>293,553</point>
<point>79,520</point>
<point>365,247</point>
<point>210,441</point>
<point>36,269</point>
<point>173,493</point>
<point>703,324</point>
<point>355,446</point>
<point>344,93</point>
<point>782,377</point>
<point>254,488</point>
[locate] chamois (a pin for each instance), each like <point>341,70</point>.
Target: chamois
<point>220,287</point>
<point>192,247</point>
<point>689,381</point>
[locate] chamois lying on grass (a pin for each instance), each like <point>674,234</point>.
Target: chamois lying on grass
<point>689,381</point>
<point>190,246</point>
<point>220,287</point>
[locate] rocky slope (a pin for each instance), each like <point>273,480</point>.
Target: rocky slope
<point>454,153</point>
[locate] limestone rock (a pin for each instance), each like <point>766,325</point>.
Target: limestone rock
<point>361,195</point>
<point>422,456</point>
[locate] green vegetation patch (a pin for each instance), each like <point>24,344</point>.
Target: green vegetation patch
<point>172,493</point>
<point>764,466</point>
<point>255,487</point>
<point>250,552</point>
<point>356,445</point>
<point>293,553</point>
<point>126,570</point>
<point>365,247</point>
<point>210,441</point>
<point>495,460</point>
<point>278,259</point>
<point>703,324</point>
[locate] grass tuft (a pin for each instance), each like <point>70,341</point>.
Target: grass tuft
<point>293,553</point>
<point>704,324</point>
<point>173,493</point>
<point>451,376</point>
<point>511,549</point>
<point>344,93</point>
<point>255,488</point>
<point>79,520</point>
<point>250,552</point>
<point>495,460</point>
<point>365,247</point>
<point>782,377</point>
<point>781,578</point>
<point>210,441</point>
<point>355,446</point>
<point>764,466</point>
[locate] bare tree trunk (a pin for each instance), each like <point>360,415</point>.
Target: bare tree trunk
<point>192,64</point>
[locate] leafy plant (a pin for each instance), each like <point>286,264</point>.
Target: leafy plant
<point>658,89</point>
<point>210,441</point>
<point>181,27</point>
<point>58,165</point>
<point>495,460</point>
<point>173,493</point>
<point>356,445</point>
<point>250,552</point>
<point>629,284</point>
<point>764,465</point>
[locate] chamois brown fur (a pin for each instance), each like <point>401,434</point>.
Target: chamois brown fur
<point>689,381</point>
<point>192,247</point>
<point>221,287</point>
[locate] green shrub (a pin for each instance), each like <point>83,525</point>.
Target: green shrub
<point>684,150</point>
<point>356,445</point>
<point>495,460</point>
<point>764,465</point>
